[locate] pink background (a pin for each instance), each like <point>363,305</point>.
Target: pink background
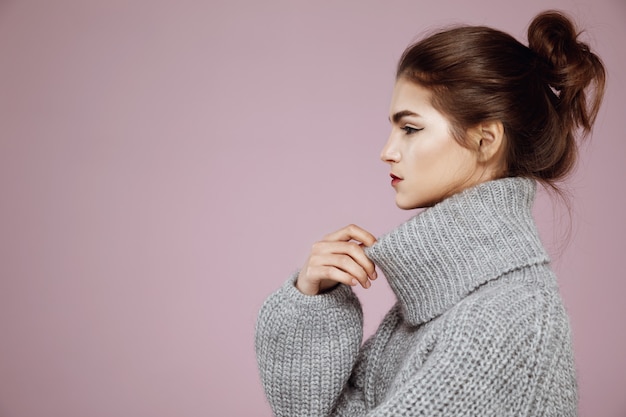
<point>164,166</point>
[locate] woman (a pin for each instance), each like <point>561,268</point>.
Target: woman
<point>479,328</point>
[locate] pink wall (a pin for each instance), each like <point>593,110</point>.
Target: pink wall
<point>164,166</point>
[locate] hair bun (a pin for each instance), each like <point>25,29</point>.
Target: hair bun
<point>553,38</point>
<point>568,65</point>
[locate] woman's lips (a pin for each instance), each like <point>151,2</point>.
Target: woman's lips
<point>394,179</point>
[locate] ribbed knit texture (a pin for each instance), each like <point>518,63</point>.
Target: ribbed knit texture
<point>479,328</point>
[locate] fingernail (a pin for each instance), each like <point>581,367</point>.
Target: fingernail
<point>368,284</point>
<point>374,275</point>
<point>354,282</point>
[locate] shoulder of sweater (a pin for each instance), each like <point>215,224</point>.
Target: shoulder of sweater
<point>525,300</point>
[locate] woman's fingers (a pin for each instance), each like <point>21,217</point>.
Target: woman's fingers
<point>338,258</point>
<point>347,265</point>
<point>335,274</point>
<point>353,250</point>
<point>352,232</point>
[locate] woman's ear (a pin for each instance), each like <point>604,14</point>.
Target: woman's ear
<point>488,138</point>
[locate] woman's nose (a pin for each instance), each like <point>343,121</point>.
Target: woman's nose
<point>389,153</point>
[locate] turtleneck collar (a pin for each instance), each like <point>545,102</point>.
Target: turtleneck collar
<point>445,252</point>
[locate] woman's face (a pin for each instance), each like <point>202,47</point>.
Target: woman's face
<point>427,163</point>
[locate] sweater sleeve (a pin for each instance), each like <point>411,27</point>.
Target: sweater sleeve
<point>306,347</point>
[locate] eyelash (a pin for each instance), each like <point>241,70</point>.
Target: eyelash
<point>410,130</point>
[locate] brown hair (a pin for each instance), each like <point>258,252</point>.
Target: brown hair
<point>545,94</point>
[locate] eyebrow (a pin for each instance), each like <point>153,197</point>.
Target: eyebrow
<point>399,115</point>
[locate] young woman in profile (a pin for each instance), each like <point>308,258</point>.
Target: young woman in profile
<point>479,328</point>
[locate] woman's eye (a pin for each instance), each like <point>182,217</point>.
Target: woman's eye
<point>409,129</point>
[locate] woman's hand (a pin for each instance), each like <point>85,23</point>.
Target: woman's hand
<point>338,258</point>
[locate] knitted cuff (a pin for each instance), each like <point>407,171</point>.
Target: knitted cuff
<point>336,297</point>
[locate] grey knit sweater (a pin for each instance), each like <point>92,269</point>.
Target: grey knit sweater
<point>478,329</point>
